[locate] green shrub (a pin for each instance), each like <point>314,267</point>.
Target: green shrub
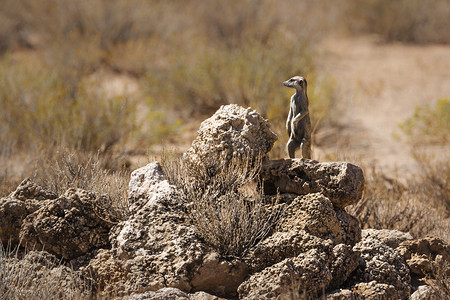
<point>429,124</point>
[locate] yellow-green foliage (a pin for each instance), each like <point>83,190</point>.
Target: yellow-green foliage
<point>38,109</point>
<point>429,124</point>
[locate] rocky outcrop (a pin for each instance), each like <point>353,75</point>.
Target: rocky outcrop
<point>233,131</point>
<point>69,226</point>
<point>315,249</point>
<point>341,182</point>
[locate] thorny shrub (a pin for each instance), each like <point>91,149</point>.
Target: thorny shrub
<point>421,206</point>
<point>225,203</point>
<point>69,169</point>
<point>36,275</point>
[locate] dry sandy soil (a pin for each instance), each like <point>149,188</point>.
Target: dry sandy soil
<point>380,86</point>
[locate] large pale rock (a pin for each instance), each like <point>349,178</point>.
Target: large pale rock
<point>145,185</point>
<point>289,278</point>
<point>233,131</point>
<point>341,182</point>
<point>67,227</point>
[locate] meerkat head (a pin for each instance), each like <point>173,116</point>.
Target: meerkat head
<point>296,82</point>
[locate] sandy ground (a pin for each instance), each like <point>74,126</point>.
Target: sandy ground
<point>380,86</point>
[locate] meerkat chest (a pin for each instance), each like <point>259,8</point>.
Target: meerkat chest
<point>298,105</point>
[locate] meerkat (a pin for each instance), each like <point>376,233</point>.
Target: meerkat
<point>298,124</point>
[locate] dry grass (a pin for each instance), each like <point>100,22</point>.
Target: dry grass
<point>36,275</point>
<point>69,169</point>
<point>412,21</point>
<point>421,206</point>
<point>226,207</point>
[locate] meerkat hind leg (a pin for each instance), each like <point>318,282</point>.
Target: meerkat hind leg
<point>306,148</point>
<point>292,145</point>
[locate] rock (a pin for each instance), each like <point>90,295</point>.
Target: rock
<point>351,229</point>
<point>425,256</point>
<point>26,199</point>
<point>309,222</point>
<point>341,182</point>
<point>67,227</point>
<point>307,272</point>
<point>380,264</point>
<point>219,276</point>
<point>108,273</point>
<point>340,294</point>
<point>145,183</point>
<point>426,292</point>
<point>391,238</point>
<point>171,293</point>
<point>313,213</point>
<point>12,213</point>
<point>344,262</point>
<point>27,189</point>
<point>374,291</point>
<point>233,131</point>
<point>282,245</point>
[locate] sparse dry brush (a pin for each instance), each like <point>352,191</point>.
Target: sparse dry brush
<point>38,275</point>
<point>68,169</point>
<point>225,203</point>
<point>412,21</point>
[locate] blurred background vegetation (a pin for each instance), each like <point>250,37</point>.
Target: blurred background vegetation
<point>182,60</point>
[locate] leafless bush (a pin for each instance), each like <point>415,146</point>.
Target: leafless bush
<point>226,206</point>
<point>439,279</point>
<point>68,169</point>
<point>36,275</point>
<point>419,206</point>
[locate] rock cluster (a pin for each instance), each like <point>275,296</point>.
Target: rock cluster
<point>315,250</point>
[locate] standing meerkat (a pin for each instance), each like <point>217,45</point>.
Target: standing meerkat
<point>298,124</point>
